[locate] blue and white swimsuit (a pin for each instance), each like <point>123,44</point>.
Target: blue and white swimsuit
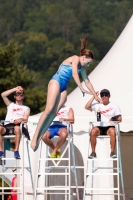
<point>63,75</point>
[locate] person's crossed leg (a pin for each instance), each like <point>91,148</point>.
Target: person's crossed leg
<point>59,128</point>
<point>55,130</point>
<point>96,131</point>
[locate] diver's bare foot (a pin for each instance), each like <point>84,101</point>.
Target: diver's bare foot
<point>33,144</point>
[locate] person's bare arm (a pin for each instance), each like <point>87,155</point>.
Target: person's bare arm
<point>89,103</point>
<point>119,118</point>
<point>5,94</point>
<point>25,118</point>
<point>89,84</point>
<point>71,117</point>
<point>116,118</point>
<point>75,63</point>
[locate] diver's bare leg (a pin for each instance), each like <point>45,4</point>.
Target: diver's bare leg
<point>53,98</point>
<point>63,99</point>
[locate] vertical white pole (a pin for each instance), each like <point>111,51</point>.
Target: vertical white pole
<point>69,167</point>
<point>2,172</point>
<point>118,169</point>
<point>22,167</point>
<point>2,179</point>
<point>65,184</point>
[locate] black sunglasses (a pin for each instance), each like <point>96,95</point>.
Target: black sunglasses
<point>104,94</point>
<point>19,94</point>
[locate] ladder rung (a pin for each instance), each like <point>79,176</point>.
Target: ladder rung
<point>89,194</point>
<point>53,159</point>
<point>102,136</point>
<point>115,168</point>
<point>101,188</point>
<point>54,188</point>
<point>101,174</point>
<point>6,167</point>
<point>52,193</point>
<point>10,193</point>
<point>11,173</point>
<point>72,186</point>
<point>72,167</point>
<point>111,159</point>
<point>41,193</point>
<point>11,188</point>
<point>74,194</point>
<point>77,187</point>
<point>9,159</point>
<point>53,173</point>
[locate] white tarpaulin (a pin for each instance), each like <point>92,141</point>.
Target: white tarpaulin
<point>115,73</point>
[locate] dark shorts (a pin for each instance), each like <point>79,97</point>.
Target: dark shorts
<point>10,130</point>
<point>103,130</point>
<point>54,129</point>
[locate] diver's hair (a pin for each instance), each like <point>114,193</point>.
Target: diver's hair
<point>85,52</point>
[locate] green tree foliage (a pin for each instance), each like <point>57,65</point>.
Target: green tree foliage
<point>35,99</point>
<point>33,51</point>
<point>48,32</point>
<point>13,74</point>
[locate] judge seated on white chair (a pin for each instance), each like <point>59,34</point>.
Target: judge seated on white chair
<point>16,114</point>
<point>106,113</point>
<point>59,128</point>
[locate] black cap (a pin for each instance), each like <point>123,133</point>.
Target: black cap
<point>105,91</point>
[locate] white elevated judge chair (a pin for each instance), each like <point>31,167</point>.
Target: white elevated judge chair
<point>115,171</point>
<point>20,170</point>
<point>53,168</point>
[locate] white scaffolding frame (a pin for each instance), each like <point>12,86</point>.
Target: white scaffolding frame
<point>118,169</point>
<point>3,174</point>
<point>66,190</point>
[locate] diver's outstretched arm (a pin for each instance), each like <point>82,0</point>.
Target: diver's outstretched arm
<point>89,84</point>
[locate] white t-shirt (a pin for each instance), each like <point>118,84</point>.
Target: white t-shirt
<point>107,112</point>
<point>63,113</point>
<point>15,111</point>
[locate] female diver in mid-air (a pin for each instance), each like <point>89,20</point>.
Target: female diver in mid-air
<point>57,88</point>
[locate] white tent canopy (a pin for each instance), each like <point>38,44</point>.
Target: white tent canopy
<point>114,72</point>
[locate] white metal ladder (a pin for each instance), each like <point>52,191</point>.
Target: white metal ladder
<point>3,174</point>
<point>117,171</point>
<point>58,189</point>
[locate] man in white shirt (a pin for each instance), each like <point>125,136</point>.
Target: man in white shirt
<point>106,113</point>
<point>58,128</point>
<point>16,113</point>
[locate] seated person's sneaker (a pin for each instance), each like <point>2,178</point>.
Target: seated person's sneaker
<point>58,155</point>
<point>92,155</point>
<point>53,155</point>
<point>16,155</point>
<point>1,154</point>
<point>113,155</point>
